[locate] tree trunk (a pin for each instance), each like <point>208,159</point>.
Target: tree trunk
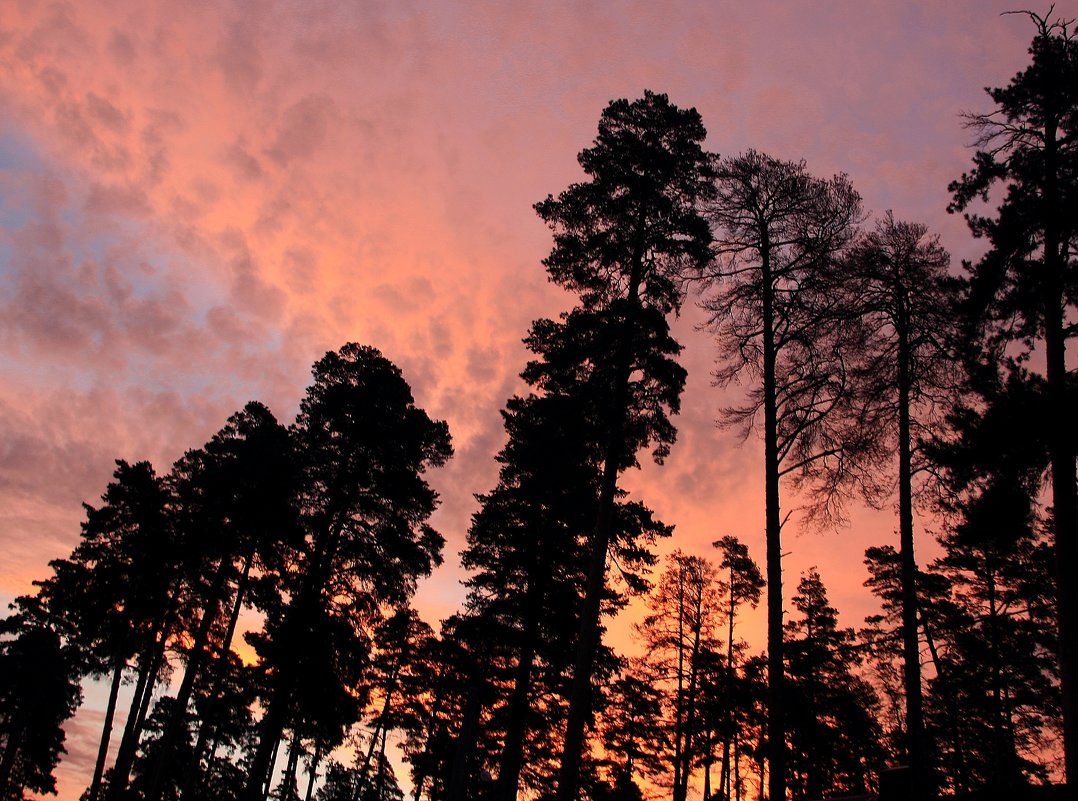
<point>197,656</point>
<point>681,792</point>
<point>513,750</point>
<point>458,782</point>
<point>588,639</point>
<point>1061,452</point>
<point>140,706</point>
<point>776,724</point>
<point>915,727</point>
<point>106,732</point>
<point>312,771</point>
<point>728,729</point>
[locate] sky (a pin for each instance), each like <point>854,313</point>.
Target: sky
<point>199,199</point>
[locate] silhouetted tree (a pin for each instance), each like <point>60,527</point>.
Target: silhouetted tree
<point>743,584</point>
<point>399,673</point>
<point>834,735</point>
<point>39,691</point>
<point>777,317</point>
<point>529,552</point>
<point>117,599</point>
<point>1024,290</point>
<point>621,241</point>
<point>234,500</point>
<point>685,612</point>
<point>996,686</point>
<point>883,641</point>
<point>363,447</point>
<point>633,736</point>
<point>897,280</point>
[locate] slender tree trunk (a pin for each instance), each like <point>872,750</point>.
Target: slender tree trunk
<point>379,727</point>
<point>736,771</point>
<point>291,770</point>
<point>140,706</point>
<point>958,771</point>
<point>776,724</point>
<point>206,744</point>
<point>681,792</point>
<point>431,722</point>
<point>279,705</point>
<point>197,656</point>
<point>588,639</point>
<point>264,790</point>
<point>513,750</point>
<point>1061,452</point>
<point>915,728</point>
<point>728,729</point>
<point>106,731</point>
<point>312,771</point>
<point>679,698</point>
<point>458,782</point>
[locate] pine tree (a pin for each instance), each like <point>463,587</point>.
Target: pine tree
<point>363,447</point>
<point>1024,290</point>
<point>834,733</point>
<point>773,306</point>
<point>622,242</point>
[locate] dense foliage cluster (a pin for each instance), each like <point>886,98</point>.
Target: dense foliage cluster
<point>872,371</point>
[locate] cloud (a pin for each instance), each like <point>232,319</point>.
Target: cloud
<point>197,203</point>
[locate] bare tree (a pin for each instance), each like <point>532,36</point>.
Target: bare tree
<point>777,231</point>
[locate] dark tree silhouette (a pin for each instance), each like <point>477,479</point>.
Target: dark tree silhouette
<point>997,683</point>
<point>234,500</point>
<point>897,280</point>
<point>743,584</point>
<point>633,736</point>
<point>834,735</point>
<point>363,447</point>
<point>621,241</point>
<point>1025,288</point>
<point>777,317</point>
<point>685,611</point>
<point>39,691</point>
<point>528,550</point>
<point>117,599</point>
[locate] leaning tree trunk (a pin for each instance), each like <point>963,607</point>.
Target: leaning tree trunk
<point>106,732</point>
<point>513,750</point>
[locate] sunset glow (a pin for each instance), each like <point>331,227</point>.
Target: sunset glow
<point>199,199</point>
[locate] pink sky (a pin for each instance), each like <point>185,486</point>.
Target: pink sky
<point>198,199</point>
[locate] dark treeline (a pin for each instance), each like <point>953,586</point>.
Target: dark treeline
<point>873,370</point>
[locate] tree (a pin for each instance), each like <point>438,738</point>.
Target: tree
<point>685,611</point>
<point>834,734</point>
<point>116,600</point>
<point>38,692</point>
<point>994,662</point>
<point>743,584</point>
<point>899,286</point>
<point>632,733</point>
<point>621,242</point>
<point>234,501</point>
<point>363,448</point>
<point>1025,288</point>
<point>773,308</point>
<point>528,549</point>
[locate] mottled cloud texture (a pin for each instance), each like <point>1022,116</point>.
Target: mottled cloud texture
<point>198,199</point>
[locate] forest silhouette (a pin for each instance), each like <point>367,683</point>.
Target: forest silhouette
<point>876,372</point>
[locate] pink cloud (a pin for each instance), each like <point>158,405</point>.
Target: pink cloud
<point>200,201</point>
